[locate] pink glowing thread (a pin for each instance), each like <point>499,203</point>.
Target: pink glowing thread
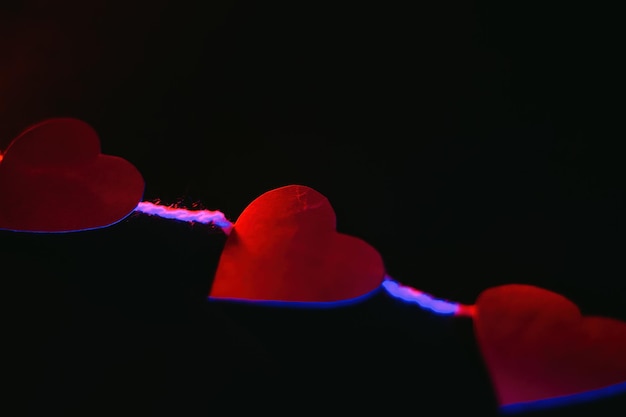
<point>216,218</point>
<point>426,301</point>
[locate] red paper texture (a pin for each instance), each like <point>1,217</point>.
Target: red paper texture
<point>537,345</point>
<point>285,247</point>
<point>53,178</point>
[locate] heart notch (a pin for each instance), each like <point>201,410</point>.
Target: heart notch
<point>284,248</point>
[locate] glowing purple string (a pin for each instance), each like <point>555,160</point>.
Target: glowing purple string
<point>426,301</point>
<point>216,218</point>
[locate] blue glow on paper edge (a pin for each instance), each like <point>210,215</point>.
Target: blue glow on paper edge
<point>61,232</point>
<point>299,304</point>
<point>85,229</point>
<point>390,286</point>
<point>587,396</point>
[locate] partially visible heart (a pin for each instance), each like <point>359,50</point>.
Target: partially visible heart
<point>285,247</point>
<point>537,346</point>
<point>53,178</point>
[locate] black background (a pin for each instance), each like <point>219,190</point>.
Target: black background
<point>472,144</point>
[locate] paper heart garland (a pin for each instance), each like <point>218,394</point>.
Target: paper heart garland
<point>284,247</point>
<point>53,178</point>
<point>537,345</point>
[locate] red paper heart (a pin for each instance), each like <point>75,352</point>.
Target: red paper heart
<point>53,178</point>
<point>537,346</point>
<point>285,247</point>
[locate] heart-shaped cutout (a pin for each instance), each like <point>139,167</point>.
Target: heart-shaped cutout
<point>53,178</point>
<point>537,346</point>
<point>284,247</point>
